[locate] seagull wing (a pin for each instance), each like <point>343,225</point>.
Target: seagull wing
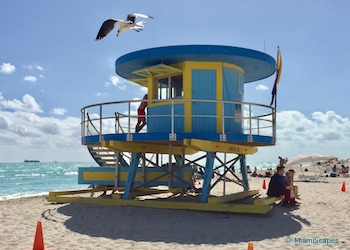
<point>106,27</point>
<point>138,26</point>
<point>132,17</point>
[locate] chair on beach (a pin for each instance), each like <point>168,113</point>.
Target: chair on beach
<point>316,178</point>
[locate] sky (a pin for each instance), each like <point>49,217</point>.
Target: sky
<point>51,67</point>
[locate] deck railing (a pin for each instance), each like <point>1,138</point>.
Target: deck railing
<point>121,117</point>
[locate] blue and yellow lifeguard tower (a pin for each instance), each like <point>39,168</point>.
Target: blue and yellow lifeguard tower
<point>197,122</point>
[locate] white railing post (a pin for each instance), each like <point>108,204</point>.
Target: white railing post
<point>129,118</point>
<point>172,120</point>
<point>223,134</point>
<point>101,132</point>
<point>250,120</point>
<point>128,136</point>
<point>87,127</point>
<point>274,125</point>
<point>83,124</point>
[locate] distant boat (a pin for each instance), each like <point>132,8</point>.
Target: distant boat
<point>31,161</point>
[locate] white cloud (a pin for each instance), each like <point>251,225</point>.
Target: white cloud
<point>4,122</point>
<point>34,67</point>
<point>30,78</point>
<point>262,87</point>
<point>26,135</point>
<point>28,104</point>
<point>59,111</point>
<point>101,94</point>
<point>117,82</point>
<point>322,133</point>
<point>39,68</point>
<point>7,68</point>
<point>28,66</point>
<point>295,126</point>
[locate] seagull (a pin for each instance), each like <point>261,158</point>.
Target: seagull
<point>128,24</point>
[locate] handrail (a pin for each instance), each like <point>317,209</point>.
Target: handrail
<point>118,124</point>
<point>255,118</point>
<point>92,125</point>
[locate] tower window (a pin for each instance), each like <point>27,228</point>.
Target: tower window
<point>170,87</point>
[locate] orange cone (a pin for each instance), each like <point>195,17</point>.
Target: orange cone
<point>39,239</point>
<point>343,187</point>
<point>264,185</point>
<point>250,246</point>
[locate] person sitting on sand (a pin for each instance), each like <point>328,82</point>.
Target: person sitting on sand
<point>343,170</point>
<point>334,168</point>
<point>268,173</point>
<point>249,171</point>
<point>255,173</point>
<point>278,187</point>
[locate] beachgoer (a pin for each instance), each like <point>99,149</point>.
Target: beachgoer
<point>249,171</point>
<point>334,169</point>
<point>141,115</point>
<point>282,161</point>
<point>255,173</point>
<point>343,170</point>
<point>268,173</point>
<point>289,181</point>
<point>278,187</point>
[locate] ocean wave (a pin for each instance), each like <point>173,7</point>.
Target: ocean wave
<point>71,173</point>
<point>21,195</point>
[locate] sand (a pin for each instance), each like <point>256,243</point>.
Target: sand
<point>322,216</point>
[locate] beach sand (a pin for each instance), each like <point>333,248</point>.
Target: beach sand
<point>323,214</point>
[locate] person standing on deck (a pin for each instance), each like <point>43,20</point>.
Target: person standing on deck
<point>141,115</point>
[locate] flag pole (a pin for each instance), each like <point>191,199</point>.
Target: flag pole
<point>278,75</point>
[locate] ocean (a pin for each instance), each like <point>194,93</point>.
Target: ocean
<point>38,178</point>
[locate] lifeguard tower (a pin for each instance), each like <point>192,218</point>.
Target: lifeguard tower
<point>197,125</point>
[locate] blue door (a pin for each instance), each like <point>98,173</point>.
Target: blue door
<point>203,113</point>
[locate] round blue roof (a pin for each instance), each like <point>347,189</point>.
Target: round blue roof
<point>256,65</point>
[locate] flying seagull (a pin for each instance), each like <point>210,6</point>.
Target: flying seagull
<point>128,24</point>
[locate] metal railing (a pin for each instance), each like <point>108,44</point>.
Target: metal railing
<point>121,117</point>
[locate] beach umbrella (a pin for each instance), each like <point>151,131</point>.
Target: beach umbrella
<point>299,159</point>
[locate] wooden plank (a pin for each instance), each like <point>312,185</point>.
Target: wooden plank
<point>232,197</point>
<point>83,191</point>
<point>195,206</point>
<point>267,200</point>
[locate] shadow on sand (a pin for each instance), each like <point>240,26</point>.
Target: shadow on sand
<point>178,226</point>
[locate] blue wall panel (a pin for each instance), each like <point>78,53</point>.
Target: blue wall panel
<point>159,118</point>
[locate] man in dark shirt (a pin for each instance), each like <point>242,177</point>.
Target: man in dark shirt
<point>278,187</point>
